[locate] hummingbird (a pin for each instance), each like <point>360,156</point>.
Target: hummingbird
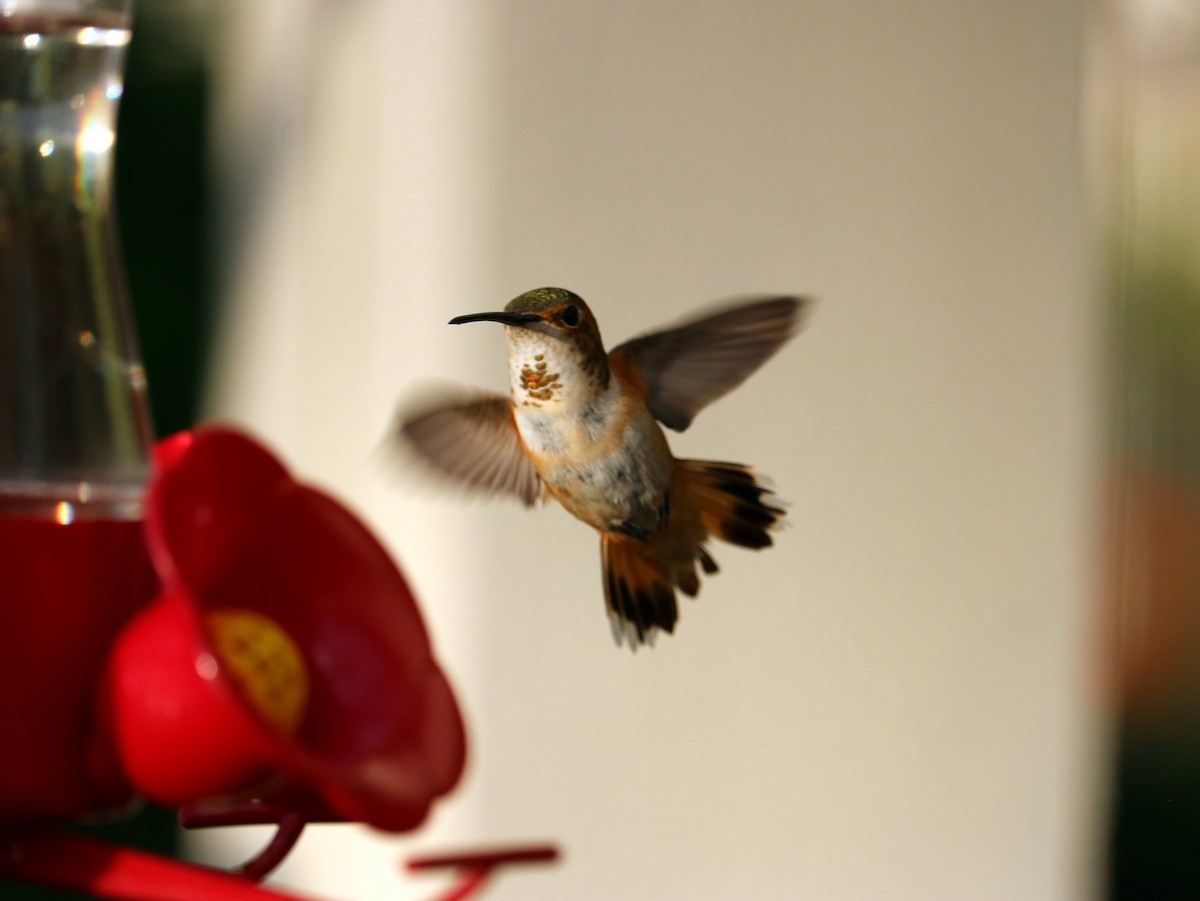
<point>585,427</point>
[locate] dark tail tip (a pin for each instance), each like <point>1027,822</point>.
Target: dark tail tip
<point>639,594</point>
<point>735,507</point>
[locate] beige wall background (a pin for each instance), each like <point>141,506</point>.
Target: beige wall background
<point>896,701</point>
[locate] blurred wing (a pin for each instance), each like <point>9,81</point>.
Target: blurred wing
<point>474,442</point>
<point>688,367</point>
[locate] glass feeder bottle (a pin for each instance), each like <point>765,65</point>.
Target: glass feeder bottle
<point>74,424</point>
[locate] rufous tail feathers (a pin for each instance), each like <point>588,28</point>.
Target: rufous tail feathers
<point>708,499</point>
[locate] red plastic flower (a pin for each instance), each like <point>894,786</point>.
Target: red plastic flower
<point>282,674</point>
<point>285,662</point>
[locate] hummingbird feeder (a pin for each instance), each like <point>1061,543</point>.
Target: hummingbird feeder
<point>184,622</point>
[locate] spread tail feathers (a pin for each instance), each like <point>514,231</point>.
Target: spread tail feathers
<point>638,590</point>
<point>733,505</point>
<point>722,500</point>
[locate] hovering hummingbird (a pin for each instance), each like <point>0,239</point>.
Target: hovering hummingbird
<point>583,426</point>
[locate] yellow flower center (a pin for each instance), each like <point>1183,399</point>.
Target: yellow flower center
<point>263,662</point>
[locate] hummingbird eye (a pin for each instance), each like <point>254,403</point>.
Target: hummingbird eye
<point>569,316</point>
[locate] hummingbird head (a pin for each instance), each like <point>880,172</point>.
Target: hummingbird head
<point>554,344</point>
<point>554,312</point>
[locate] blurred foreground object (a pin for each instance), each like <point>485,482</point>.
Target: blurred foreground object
<point>74,428</point>
<point>1148,85</point>
<point>283,640</point>
<point>582,425</point>
<point>283,675</point>
<point>207,632</point>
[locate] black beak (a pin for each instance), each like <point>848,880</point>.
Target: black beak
<point>514,319</point>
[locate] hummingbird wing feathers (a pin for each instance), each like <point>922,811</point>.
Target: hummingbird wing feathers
<point>688,367</point>
<point>474,442</point>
